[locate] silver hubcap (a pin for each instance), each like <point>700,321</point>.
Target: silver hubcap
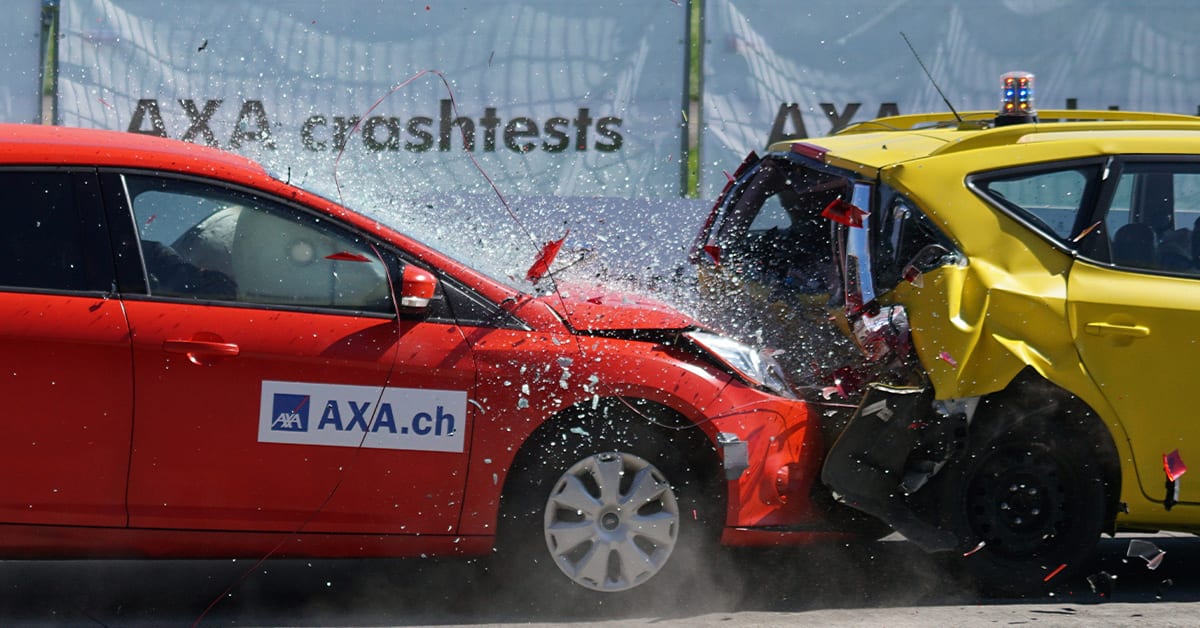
<point>611,521</point>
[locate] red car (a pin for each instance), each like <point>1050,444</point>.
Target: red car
<point>201,360</point>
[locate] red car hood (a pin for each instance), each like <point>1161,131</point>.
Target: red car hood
<point>594,309</point>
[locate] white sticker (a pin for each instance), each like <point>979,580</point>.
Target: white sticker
<point>300,413</point>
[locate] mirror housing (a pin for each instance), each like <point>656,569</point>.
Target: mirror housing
<point>417,287</point>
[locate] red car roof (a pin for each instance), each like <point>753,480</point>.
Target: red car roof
<point>31,144</point>
<point>59,145</point>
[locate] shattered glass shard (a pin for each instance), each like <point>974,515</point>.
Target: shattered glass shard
<point>1147,551</point>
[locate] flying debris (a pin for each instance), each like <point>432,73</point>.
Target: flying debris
<point>1102,583</point>
<point>1056,571</point>
<point>545,258</point>
<point>1173,465</point>
<point>1146,551</point>
<point>844,212</point>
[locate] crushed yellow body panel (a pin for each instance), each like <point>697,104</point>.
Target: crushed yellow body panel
<point>977,325</point>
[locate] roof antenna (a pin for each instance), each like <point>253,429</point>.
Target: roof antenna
<point>935,85</point>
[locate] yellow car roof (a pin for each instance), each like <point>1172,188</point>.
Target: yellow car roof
<point>878,143</point>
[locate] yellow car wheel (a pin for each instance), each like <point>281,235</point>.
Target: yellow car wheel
<point>1032,494</point>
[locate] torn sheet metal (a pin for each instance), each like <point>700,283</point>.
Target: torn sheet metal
<point>866,465</point>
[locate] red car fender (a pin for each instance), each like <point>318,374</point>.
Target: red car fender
<point>783,445</point>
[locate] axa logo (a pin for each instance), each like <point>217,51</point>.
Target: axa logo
<point>290,413</point>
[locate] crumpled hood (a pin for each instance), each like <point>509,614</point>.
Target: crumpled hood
<point>597,309</point>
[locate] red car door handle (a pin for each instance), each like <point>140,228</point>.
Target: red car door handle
<point>197,348</point>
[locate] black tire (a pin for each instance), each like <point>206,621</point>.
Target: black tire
<point>1033,492</point>
<point>644,553</point>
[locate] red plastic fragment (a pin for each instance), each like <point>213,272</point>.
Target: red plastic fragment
<point>812,151</point>
<point>1055,572</point>
<point>541,265</point>
<point>948,359</point>
<point>1173,465</point>
<point>713,252</point>
<point>347,256</point>
<point>913,276</point>
<point>844,212</point>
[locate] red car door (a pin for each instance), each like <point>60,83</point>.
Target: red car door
<point>274,387</point>
<point>65,370</point>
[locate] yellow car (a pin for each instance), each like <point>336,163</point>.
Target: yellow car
<point>1000,315</point>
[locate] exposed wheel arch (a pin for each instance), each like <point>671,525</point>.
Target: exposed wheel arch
<point>632,411</point>
<point>1051,408</point>
<point>1036,486</point>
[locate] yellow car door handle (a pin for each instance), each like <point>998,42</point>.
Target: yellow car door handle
<point>1111,329</point>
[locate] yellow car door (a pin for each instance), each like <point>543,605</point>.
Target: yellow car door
<point>1136,320</point>
<point>1139,338</point>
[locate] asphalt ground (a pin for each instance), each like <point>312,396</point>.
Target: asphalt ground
<point>889,582</point>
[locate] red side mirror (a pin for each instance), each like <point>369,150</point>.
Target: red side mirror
<point>416,288</point>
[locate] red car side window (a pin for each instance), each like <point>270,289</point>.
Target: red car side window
<point>204,242</point>
<point>41,232</point>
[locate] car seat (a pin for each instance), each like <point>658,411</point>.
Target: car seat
<point>1134,245</point>
<point>290,260</point>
